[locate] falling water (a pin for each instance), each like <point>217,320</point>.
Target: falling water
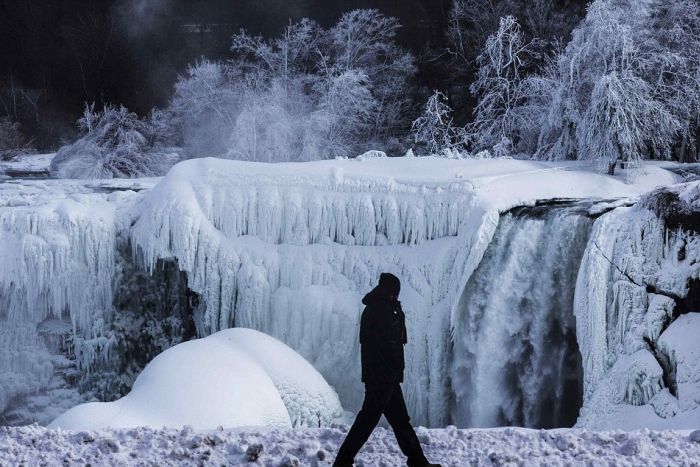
<point>515,358</point>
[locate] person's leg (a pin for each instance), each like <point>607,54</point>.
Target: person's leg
<point>376,398</point>
<point>397,415</point>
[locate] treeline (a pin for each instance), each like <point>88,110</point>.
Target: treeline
<point>541,79</point>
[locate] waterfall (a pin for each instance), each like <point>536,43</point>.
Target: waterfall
<point>515,358</point>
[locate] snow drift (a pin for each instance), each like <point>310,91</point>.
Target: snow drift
<point>237,377</point>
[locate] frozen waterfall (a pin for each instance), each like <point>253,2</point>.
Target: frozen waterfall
<point>498,305</point>
<point>515,358</point>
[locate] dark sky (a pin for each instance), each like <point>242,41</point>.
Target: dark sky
<point>130,51</point>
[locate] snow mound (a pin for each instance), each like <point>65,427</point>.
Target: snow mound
<point>237,377</point>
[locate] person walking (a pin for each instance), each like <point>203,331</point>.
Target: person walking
<point>382,338</point>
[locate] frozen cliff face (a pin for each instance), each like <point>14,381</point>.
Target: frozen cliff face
<point>638,275</point>
<point>57,279</point>
<point>292,256</point>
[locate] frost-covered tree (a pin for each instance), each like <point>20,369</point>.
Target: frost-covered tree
<point>284,57</point>
<point>344,114</point>
<point>673,31</point>
<point>615,90</point>
<point>436,130</point>
<point>364,41</point>
<point>499,87</point>
<point>471,22</point>
<point>115,145</point>
<point>310,93</point>
<point>270,123</point>
<point>622,120</point>
<point>205,106</point>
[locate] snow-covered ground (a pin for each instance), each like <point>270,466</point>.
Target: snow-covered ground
<point>33,445</point>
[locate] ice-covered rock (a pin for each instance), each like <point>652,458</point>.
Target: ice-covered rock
<point>681,344</point>
<point>237,377</point>
<point>634,281</point>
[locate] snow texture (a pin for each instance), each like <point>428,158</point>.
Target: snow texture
<point>237,377</point>
<point>33,445</point>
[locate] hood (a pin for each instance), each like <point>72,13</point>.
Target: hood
<point>389,286</point>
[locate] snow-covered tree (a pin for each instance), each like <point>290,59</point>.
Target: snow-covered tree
<point>622,121</point>
<point>270,124</point>
<point>114,145</point>
<point>436,130</point>
<point>614,91</point>
<point>673,30</point>
<point>345,113</point>
<point>364,41</point>
<point>205,107</point>
<point>499,87</point>
<point>283,58</point>
<point>310,93</point>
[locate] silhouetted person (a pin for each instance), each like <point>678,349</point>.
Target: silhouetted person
<point>382,337</point>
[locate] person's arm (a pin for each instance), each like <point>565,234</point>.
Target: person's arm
<point>367,328</point>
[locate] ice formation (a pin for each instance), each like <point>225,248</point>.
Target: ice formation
<point>290,255</point>
<point>634,281</point>
<point>289,249</point>
<point>236,377</point>
<point>58,243</point>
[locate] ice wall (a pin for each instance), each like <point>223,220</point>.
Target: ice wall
<point>293,255</point>
<point>634,281</point>
<point>57,256</point>
<point>515,355</point>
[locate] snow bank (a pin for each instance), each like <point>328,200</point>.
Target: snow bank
<point>28,165</point>
<point>290,249</point>
<point>237,377</point>
<point>451,447</point>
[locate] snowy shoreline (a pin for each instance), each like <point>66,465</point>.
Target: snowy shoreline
<point>34,445</point>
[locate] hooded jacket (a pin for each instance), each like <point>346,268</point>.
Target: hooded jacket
<point>383,333</point>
